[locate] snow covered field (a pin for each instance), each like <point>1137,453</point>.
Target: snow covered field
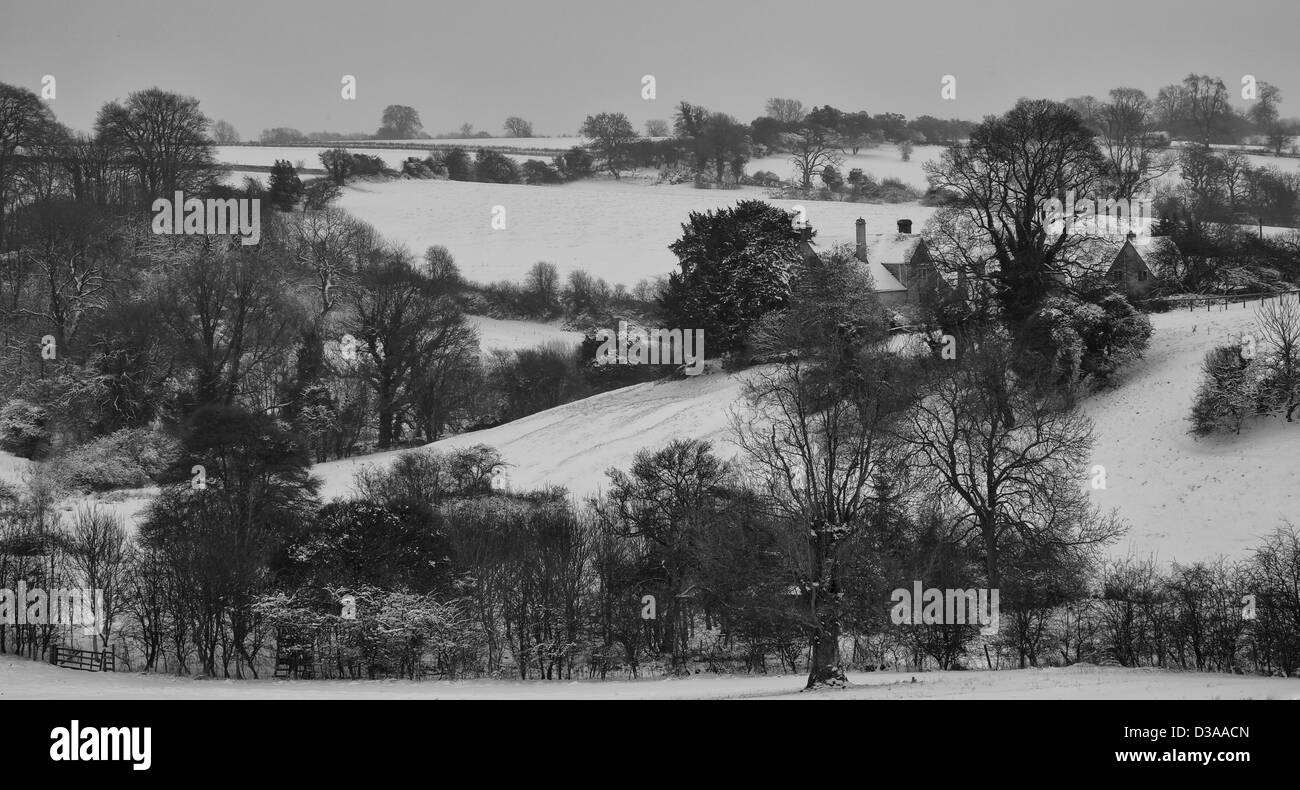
<point>494,333</point>
<point>881,162</point>
<point>1188,499</point>
<point>618,231</point>
<point>22,679</point>
<point>555,144</point>
<point>572,445</point>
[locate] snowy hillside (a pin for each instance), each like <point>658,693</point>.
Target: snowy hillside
<point>1188,499</point>
<point>1173,490</point>
<point>572,445</point>
<point>1177,493</point>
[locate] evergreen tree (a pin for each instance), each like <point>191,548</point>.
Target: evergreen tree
<point>736,265</point>
<point>286,187</point>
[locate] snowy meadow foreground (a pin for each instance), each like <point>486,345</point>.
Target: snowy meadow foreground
<point>28,680</point>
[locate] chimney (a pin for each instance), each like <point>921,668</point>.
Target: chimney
<point>861,251</point>
<point>905,226</point>
<point>805,231</point>
<point>1132,235</point>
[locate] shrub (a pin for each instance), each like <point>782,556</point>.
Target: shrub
<point>535,171</point>
<point>1223,397</point>
<point>575,163</point>
<point>129,458</point>
<point>366,165</point>
<point>493,167</point>
<point>24,429</point>
<point>338,163</point>
<point>317,195</point>
<point>458,164</point>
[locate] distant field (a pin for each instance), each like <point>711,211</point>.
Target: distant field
<point>881,163</point>
<point>618,231</point>
<point>494,333</point>
<point>552,143</point>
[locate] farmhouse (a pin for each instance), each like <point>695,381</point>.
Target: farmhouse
<point>1129,262</point>
<point>899,263</point>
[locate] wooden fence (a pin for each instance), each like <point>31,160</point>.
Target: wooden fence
<point>1222,301</point>
<point>88,660</point>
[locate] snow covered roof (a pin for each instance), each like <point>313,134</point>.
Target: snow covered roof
<point>884,281</point>
<point>892,247</point>
<point>1096,254</point>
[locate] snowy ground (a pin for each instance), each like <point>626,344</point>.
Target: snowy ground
<point>618,231</point>
<point>572,445</point>
<point>22,679</point>
<point>1188,499</point>
<point>556,144</point>
<point>881,162</point>
<point>494,333</point>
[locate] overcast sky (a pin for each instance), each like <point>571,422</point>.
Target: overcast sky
<point>279,62</point>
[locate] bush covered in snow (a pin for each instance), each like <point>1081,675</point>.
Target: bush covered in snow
<point>24,429</point>
<point>129,458</point>
<point>1225,393</point>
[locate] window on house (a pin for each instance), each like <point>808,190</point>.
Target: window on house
<point>1142,276</point>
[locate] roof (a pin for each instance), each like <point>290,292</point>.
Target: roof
<point>1097,254</point>
<point>884,281</point>
<point>892,247</point>
<point>881,276</point>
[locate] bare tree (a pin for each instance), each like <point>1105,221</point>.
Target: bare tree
<point>1279,326</point>
<point>224,133</point>
<point>1007,458</point>
<point>1133,157</point>
<point>998,232</point>
<point>75,257</point>
<point>611,136</point>
<point>405,320</point>
<point>656,128</point>
<point>518,127</point>
<point>164,138</point>
<point>813,148</point>
<point>24,122</point>
<point>98,552</point>
<point>819,435</point>
<point>785,110</point>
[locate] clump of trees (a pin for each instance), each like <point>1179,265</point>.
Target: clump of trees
<point>1259,377</point>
